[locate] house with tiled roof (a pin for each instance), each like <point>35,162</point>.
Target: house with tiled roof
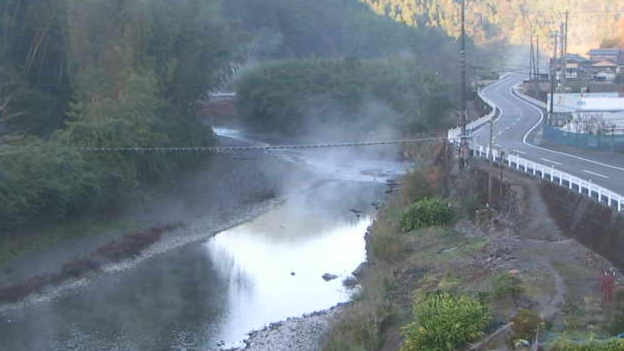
<point>597,55</point>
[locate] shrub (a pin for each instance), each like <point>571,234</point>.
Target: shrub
<point>360,326</point>
<point>505,285</point>
<point>525,324</point>
<point>617,323</point>
<point>16,292</point>
<point>445,322</point>
<point>427,213</point>
<point>385,246</point>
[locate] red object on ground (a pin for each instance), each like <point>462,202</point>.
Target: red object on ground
<point>608,287</point>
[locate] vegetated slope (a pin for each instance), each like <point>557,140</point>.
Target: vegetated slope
<point>90,73</point>
<point>341,99</point>
<point>512,21</point>
<point>368,70</point>
<point>329,28</point>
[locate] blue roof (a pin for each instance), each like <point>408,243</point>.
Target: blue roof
<point>605,52</point>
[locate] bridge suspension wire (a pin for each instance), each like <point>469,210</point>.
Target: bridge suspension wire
<point>267,148</point>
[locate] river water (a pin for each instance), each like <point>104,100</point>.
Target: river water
<point>209,295</point>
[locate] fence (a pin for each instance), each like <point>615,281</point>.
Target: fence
<point>455,133</point>
<point>549,173</point>
<point>602,142</point>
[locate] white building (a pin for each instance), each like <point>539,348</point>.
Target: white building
<point>590,113</point>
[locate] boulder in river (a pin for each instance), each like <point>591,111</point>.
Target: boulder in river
<point>327,277</point>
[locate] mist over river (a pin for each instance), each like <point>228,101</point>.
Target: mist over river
<point>210,295</point>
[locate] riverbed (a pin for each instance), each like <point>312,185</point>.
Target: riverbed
<point>209,295</point>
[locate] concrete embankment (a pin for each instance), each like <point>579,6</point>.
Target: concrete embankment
<point>590,223</point>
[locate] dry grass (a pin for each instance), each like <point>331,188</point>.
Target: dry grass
<point>129,246</point>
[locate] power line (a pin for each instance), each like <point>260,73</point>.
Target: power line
<point>268,148</point>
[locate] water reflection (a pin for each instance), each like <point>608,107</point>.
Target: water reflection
<point>261,287</point>
<point>198,296</point>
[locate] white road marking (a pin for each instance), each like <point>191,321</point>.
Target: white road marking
<point>596,174</point>
<point>524,140</point>
<point>551,161</point>
<point>518,151</point>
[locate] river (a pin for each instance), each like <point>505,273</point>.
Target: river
<point>210,295</point>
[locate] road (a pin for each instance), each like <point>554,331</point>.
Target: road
<point>518,123</point>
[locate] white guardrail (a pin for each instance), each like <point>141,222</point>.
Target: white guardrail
<point>576,184</point>
<point>585,187</point>
<point>455,133</point>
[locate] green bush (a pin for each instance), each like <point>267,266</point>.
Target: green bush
<point>610,345</point>
<point>445,322</point>
<point>427,213</point>
<point>343,98</point>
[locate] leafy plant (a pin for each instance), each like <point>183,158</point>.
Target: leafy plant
<point>427,213</point>
<point>445,322</point>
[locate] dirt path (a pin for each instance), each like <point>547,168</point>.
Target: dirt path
<point>554,306</point>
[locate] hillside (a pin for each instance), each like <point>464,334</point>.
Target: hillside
<point>511,21</point>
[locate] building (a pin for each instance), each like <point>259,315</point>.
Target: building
<point>605,66</point>
<point>576,58</point>
<point>589,112</point>
<point>572,70</point>
<point>613,55</point>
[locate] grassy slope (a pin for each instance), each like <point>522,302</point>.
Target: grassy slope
<point>557,279</point>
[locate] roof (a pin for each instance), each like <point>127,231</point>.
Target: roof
<point>576,58</point>
<point>604,64</point>
<point>595,52</point>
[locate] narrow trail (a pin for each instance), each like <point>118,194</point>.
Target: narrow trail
<point>554,305</point>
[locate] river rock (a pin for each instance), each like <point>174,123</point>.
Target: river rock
<point>328,276</point>
<point>350,282</point>
<point>359,271</point>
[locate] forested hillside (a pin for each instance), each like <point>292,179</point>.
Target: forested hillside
<point>513,21</point>
<point>345,99</point>
<point>616,39</point>
<point>328,28</point>
<point>127,73</point>
<point>370,72</point>
<point>93,73</point>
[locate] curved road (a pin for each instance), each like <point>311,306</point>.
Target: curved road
<point>514,131</point>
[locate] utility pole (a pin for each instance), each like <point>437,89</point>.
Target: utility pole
<point>537,63</point>
<point>565,47</point>
<point>463,148</point>
<point>532,69</point>
<point>564,60</point>
<point>553,80</point>
<point>492,159</point>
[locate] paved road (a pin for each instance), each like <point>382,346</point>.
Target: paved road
<point>514,133</point>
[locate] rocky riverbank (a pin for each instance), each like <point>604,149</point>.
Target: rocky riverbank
<point>306,333</point>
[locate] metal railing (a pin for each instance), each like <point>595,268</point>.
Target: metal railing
<point>455,132</point>
<point>598,193</point>
<point>550,173</point>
